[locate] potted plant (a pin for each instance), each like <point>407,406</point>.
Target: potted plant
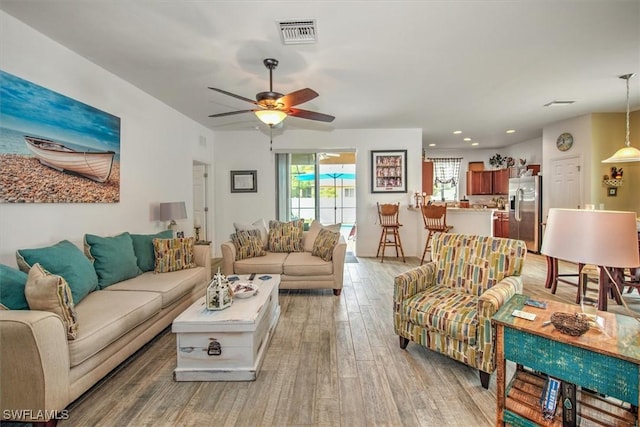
<point>497,161</point>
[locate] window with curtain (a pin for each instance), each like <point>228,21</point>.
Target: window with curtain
<point>446,176</point>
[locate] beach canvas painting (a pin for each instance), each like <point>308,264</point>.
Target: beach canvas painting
<point>54,149</point>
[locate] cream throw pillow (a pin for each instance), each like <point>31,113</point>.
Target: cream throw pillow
<point>48,292</point>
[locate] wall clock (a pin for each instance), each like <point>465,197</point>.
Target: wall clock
<point>564,141</point>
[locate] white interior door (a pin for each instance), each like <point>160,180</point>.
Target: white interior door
<point>565,188</point>
<point>200,208</point>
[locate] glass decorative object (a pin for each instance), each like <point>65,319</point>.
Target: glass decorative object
<point>219,294</point>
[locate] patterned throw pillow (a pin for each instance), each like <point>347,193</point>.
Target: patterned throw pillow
<point>259,225</point>
<point>48,292</point>
<point>324,244</point>
<point>173,254</point>
<point>286,236</point>
<point>310,236</point>
<point>143,248</point>
<point>248,244</point>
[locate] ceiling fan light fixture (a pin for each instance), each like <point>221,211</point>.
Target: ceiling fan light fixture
<point>628,153</point>
<point>271,117</point>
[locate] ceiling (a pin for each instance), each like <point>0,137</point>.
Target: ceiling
<point>481,67</point>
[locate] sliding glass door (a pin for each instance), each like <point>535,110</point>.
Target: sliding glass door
<point>317,186</point>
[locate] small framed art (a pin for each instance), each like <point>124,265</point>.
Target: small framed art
<point>389,171</point>
<point>244,182</point>
<point>612,191</point>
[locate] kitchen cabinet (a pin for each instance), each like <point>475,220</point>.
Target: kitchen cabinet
<point>501,181</point>
<point>427,178</point>
<point>501,224</point>
<point>479,182</point>
<point>488,182</point>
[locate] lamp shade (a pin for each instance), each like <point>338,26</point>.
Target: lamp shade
<point>271,117</point>
<point>172,210</point>
<point>624,155</point>
<point>603,238</point>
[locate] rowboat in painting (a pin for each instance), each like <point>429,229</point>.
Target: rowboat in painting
<point>95,165</point>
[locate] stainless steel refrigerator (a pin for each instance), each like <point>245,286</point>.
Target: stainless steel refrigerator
<point>525,210</point>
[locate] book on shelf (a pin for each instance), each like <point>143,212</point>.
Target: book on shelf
<point>569,405</point>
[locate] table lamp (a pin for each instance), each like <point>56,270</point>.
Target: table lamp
<point>172,211</point>
<point>602,238</point>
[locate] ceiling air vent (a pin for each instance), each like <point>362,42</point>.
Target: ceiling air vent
<point>298,32</point>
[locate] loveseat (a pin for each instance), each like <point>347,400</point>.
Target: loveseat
<point>446,305</point>
<point>49,359</point>
<point>299,268</point>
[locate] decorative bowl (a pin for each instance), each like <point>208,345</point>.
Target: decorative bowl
<point>574,324</point>
<point>243,289</point>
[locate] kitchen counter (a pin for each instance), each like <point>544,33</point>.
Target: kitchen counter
<point>471,220</point>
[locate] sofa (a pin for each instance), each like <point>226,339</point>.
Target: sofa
<point>49,359</point>
<point>300,267</point>
<point>446,305</point>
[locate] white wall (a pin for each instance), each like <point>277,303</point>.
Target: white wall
<point>580,128</point>
<point>248,150</point>
<point>158,146</point>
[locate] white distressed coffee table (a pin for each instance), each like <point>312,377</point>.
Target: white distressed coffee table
<point>230,344</point>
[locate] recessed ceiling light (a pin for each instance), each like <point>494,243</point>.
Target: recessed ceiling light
<point>475,143</point>
<point>432,145</point>
<point>511,131</point>
<point>558,103</point>
<point>467,139</point>
<point>457,132</point>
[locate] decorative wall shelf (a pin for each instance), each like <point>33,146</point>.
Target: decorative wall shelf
<point>612,182</point>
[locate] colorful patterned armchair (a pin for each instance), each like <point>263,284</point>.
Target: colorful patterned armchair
<point>446,305</point>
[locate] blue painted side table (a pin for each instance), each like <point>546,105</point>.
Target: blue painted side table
<point>604,360</point>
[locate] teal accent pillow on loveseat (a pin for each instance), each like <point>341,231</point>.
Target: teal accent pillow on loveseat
<point>64,259</point>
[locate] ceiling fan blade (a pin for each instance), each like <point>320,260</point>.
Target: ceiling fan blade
<point>234,95</point>
<point>297,97</point>
<point>231,113</point>
<point>311,115</point>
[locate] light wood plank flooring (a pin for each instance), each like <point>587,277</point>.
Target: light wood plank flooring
<point>333,361</point>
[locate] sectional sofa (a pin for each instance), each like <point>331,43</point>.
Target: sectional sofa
<point>49,359</point>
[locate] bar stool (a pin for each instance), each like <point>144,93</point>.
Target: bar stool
<point>435,220</point>
<point>390,236</point>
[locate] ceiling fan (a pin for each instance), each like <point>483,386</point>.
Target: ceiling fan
<point>273,107</point>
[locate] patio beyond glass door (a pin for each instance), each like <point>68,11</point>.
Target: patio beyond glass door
<point>320,186</point>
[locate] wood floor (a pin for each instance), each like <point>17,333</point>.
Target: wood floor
<point>333,361</point>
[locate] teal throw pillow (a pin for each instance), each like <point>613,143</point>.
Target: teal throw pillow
<point>63,259</point>
<point>143,248</point>
<point>113,258</point>
<point>12,284</point>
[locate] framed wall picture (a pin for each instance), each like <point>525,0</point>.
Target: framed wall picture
<point>244,182</point>
<point>389,171</point>
<point>613,192</point>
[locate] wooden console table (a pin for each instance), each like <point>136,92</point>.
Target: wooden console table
<point>604,361</point>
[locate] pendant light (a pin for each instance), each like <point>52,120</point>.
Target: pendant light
<point>628,153</point>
